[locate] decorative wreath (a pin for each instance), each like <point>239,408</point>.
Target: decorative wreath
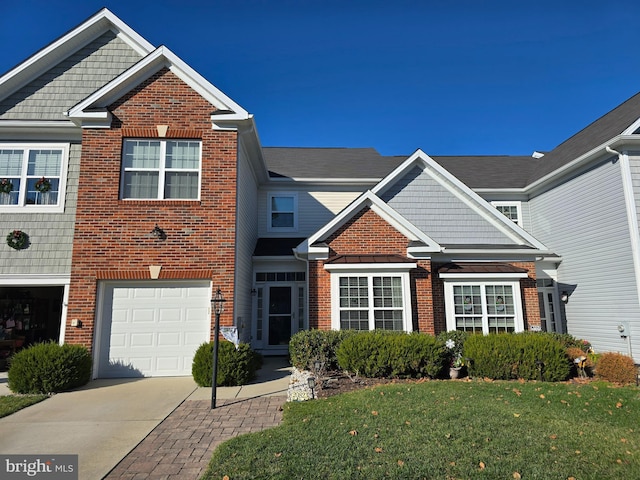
<point>17,239</point>
<point>43,185</point>
<point>6,186</point>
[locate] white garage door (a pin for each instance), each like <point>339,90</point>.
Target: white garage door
<point>152,328</point>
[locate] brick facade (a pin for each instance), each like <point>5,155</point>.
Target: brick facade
<point>112,236</point>
<point>368,234</point>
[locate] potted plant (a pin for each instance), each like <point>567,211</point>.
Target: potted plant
<point>454,341</point>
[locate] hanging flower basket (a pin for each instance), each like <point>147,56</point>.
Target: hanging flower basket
<point>6,186</point>
<point>17,239</point>
<point>43,185</point>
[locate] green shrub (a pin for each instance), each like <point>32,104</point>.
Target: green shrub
<point>49,368</point>
<point>379,354</point>
<point>417,355</point>
<point>235,367</point>
<point>529,356</point>
<point>309,346</point>
<point>616,368</point>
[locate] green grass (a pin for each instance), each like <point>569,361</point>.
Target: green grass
<point>12,403</point>
<point>447,430</point>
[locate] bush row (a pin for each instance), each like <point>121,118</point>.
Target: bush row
<point>235,366</point>
<point>506,356</point>
<point>394,355</point>
<point>527,355</point>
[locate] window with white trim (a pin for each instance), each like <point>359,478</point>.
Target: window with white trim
<point>370,301</point>
<point>283,212</point>
<point>33,176</point>
<point>161,169</point>
<point>511,210</point>
<point>484,307</point>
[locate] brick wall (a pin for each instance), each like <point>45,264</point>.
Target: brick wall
<point>528,291</point>
<point>368,234</point>
<point>112,237</point>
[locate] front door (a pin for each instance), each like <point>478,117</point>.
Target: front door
<point>281,315</point>
<point>549,312</point>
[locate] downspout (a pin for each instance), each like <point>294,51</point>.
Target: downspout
<point>632,221</point>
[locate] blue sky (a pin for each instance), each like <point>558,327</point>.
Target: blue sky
<point>465,77</point>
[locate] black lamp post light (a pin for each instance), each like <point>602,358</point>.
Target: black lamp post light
<point>218,307</point>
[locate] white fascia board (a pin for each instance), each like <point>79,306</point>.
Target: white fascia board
<point>581,161</point>
<point>274,258</point>
<point>68,44</point>
<point>39,129</point>
<point>371,200</point>
<point>480,276</point>
<point>27,280</point>
<point>327,181</point>
<point>354,267</point>
<point>632,128</point>
<point>506,251</point>
<point>138,73</point>
<point>464,193</point>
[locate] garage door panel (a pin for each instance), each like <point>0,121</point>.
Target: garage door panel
<point>169,340</point>
<point>169,314</point>
<point>141,340</point>
<point>153,329</point>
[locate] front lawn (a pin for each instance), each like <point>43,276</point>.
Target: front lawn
<point>12,403</point>
<point>448,430</point>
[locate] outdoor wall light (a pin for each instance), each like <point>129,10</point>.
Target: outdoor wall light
<point>158,233</point>
<point>564,297</point>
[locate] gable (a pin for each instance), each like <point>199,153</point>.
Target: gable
<point>442,207</point>
<point>367,233</point>
<point>74,78</point>
<point>439,212</point>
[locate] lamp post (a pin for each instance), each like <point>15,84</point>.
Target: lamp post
<point>218,307</point>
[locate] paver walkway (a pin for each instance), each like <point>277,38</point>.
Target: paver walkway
<point>182,445</point>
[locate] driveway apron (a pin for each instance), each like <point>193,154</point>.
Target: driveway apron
<point>100,422</point>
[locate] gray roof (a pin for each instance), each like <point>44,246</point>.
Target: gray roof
<point>495,171</point>
<point>490,171</point>
<point>598,132</point>
<point>330,163</point>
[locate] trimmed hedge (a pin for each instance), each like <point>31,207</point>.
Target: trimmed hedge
<point>235,367</point>
<point>507,356</point>
<point>308,346</point>
<point>380,353</point>
<point>49,368</point>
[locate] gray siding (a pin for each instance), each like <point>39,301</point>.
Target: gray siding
<point>634,165</point>
<point>439,213</point>
<point>70,81</point>
<point>50,234</point>
<point>246,236</point>
<point>585,222</point>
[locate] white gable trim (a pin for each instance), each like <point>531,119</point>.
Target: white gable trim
<point>68,44</point>
<point>462,192</point>
<point>389,215</point>
<point>162,57</point>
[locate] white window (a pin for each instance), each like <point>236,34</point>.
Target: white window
<point>484,307</point>
<point>511,210</point>
<point>370,301</point>
<point>33,176</point>
<point>283,212</point>
<point>161,169</point>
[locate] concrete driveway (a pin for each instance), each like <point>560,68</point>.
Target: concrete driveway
<point>100,422</point>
